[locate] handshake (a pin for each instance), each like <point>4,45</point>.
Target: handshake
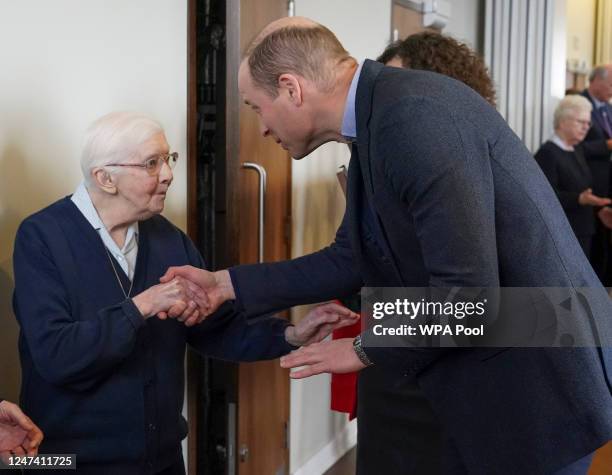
<point>190,295</point>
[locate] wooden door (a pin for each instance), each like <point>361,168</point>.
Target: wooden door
<point>263,387</point>
<point>406,21</point>
<point>255,439</point>
<point>602,462</point>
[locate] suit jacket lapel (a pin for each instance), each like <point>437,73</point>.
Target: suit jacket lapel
<point>597,117</point>
<point>363,110</point>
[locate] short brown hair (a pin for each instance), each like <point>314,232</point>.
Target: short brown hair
<point>308,51</point>
<point>442,54</point>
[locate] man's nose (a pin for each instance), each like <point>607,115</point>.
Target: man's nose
<point>263,130</point>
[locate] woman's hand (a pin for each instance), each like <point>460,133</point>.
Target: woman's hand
<point>178,298</point>
<point>18,434</point>
<point>319,323</point>
<point>605,216</point>
<point>587,198</point>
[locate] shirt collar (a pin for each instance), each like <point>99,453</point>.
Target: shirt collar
<point>349,121</point>
<point>558,141</point>
<point>83,202</point>
<point>597,102</point>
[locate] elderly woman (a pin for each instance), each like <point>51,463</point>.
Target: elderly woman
<point>102,362</point>
<point>562,161</point>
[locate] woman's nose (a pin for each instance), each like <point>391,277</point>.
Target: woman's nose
<point>165,173</point>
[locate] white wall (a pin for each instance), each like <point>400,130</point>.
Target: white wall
<point>318,436</point>
<point>64,63</point>
<point>581,29</point>
<point>466,22</point>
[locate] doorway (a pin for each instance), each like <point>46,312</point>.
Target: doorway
<point>239,204</point>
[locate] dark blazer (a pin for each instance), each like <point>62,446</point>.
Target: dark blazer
<point>442,193</point>
<point>569,175</point>
<point>596,150</point>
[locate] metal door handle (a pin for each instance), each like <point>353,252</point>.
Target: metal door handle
<point>263,178</point>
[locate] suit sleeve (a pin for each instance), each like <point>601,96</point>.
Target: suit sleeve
<point>228,335</point>
<point>327,274</point>
<point>548,163</point>
<point>442,173</point>
<point>595,145</point>
<point>70,350</point>
<point>596,149</point>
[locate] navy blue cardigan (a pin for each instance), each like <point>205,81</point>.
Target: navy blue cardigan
<point>97,378</point>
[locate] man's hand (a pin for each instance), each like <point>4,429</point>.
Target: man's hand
<point>336,356</point>
<point>318,323</point>
<point>18,434</point>
<point>605,216</point>
<point>587,198</point>
<point>217,285</point>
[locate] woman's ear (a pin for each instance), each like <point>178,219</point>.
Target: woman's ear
<point>104,180</point>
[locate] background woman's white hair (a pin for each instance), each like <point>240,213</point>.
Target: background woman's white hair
<point>569,106</point>
<point>114,138</point>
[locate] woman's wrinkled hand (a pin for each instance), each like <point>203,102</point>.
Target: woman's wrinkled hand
<point>179,298</point>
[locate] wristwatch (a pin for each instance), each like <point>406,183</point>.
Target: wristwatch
<point>359,351</point>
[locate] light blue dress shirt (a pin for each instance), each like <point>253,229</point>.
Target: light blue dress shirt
<point>349,120</point>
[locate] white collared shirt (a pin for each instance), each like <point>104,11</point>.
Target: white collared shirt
<point>126,256</point>
<point>558,141</point>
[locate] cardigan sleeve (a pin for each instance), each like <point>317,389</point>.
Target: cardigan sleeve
<point>67,349</point>
<point>228,335</point>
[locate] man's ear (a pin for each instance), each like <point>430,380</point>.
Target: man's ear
<point>104,180</point>
<point>290,85</point>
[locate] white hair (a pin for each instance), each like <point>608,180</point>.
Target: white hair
<point>114,137</point>
<point>568,106</point>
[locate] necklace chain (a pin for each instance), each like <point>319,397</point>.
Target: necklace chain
<point>127,296</point>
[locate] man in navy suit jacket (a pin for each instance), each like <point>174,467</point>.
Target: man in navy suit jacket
<point>441,193</point>
<point>598,148</point>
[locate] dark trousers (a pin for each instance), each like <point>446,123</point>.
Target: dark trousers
<point>397,429</point>
<point>601,254</point>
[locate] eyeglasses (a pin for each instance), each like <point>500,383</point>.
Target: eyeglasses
<point>586,123</point>
<point>152,165</point>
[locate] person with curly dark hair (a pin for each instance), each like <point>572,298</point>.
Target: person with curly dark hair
<point>441,54</point>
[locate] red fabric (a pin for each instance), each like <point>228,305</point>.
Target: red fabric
<point>344,386</point>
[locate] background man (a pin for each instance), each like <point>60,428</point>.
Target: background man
<point>598,146</point>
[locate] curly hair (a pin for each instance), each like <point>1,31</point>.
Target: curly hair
<point>442,54</point>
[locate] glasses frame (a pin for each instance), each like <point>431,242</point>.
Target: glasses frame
<point>165,157</point>
<point>583,122</point>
